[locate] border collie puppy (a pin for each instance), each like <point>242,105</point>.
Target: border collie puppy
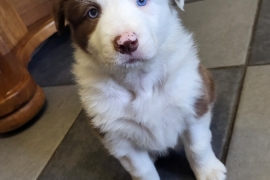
<point>139,76</point>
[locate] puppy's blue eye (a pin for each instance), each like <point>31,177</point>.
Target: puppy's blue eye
<point>93,13</point>
<point>142,2</point>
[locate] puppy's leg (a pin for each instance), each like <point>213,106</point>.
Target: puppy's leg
<point>197,142</point>
<point>139,165</point>
<point>137,162</point>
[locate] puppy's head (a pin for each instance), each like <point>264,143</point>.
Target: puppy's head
<point>117,32</point>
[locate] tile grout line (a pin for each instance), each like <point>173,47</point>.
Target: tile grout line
<point>40,173</point>
<point>259,65</point>
<point>61,85</point>
<point>239,66</point>
<point>226,67</point>
<point>240,90</point>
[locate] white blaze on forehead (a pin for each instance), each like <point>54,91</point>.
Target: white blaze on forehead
<point>105,3</point>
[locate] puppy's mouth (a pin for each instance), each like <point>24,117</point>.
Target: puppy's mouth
<point>133,60</point>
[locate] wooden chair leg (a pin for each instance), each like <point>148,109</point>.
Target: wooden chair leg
<point>20,97</point>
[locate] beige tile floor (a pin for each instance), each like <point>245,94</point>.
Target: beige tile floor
<point>222,29</point>
<point>23,156</point>
<point>249,153</point>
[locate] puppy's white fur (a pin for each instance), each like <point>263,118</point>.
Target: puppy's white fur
<point>144,107</point>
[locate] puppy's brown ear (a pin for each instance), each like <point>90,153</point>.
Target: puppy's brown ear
<point>59,14</point>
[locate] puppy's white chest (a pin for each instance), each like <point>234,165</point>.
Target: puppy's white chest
<point>155,123</point>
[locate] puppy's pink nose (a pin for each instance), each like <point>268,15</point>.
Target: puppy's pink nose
<point>126,43</point>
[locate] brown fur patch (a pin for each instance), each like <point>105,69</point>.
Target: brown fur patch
<point>208,95</point>
<point>59,15</point>
<point>76,13</point>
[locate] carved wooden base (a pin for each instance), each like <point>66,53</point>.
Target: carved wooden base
<point>24,114</point>
<point>20,97</point>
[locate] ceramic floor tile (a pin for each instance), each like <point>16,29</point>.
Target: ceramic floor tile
<point>260,53</point>
<point>222,29</point>
<point>81,156</point>
<point>51,64</point>
<point>249,153</point>
<point>228,82</point>
<point>23,154</point>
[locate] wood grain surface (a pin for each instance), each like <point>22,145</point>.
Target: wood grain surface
<point>16,85</point>
<point>37,33</point>
<point>12,28</point>
<point>24,25</point>
<point>32,11</point>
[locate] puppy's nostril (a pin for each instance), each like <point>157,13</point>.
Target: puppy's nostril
<point>134,43</point>
<point>122,49</point>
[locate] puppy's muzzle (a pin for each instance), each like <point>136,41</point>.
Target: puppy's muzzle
<point>126,43</point>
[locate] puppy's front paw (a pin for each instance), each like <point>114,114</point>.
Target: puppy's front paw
<point>213,171</point>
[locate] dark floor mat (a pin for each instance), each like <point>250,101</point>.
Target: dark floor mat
<point>51,64</point>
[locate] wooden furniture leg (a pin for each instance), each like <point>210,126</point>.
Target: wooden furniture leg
<point>20,97</point>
